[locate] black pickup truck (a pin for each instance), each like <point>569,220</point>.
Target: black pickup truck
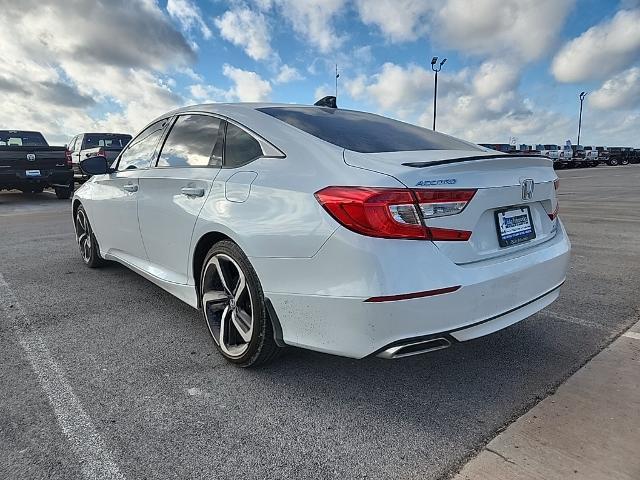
<point>28,163</point>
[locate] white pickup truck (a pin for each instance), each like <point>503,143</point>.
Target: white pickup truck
<point>87,145</point>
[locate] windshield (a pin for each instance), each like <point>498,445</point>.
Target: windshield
<point>16,138</point>
<point>364,132</point>
<point>113,140</point>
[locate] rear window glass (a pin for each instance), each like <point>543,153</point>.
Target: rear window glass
<point>12,138</point>
<point>364,132</point>
<point>108,140</point>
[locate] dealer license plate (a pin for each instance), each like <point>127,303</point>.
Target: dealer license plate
<point>32,173</point>
<point>514,226</point>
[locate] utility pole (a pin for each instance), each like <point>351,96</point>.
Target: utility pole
<point>436,69</point>
<point>582,97</point>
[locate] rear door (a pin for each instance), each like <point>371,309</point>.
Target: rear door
<point>174,191</point>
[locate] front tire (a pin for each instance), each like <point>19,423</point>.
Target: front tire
<point>233,307</point>
<point>87,243</point>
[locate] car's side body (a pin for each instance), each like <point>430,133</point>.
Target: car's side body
<point>332,289</point>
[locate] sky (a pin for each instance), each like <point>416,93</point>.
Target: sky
<point>514,68</point>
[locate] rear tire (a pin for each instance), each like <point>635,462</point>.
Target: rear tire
<point>32,191</point>
<point>613,162</point>
<point>64,193</point>
<point>234,309</point>
<point>87,243</point>
<point>624,162</point>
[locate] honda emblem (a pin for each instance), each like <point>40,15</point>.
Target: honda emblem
<point>527,189</point>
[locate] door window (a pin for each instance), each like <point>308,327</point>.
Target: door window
<point>139,151</point>
<point>194,141</point>
<point>240,147</point>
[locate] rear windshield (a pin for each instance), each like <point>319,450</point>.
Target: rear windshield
<point>113,140</point>
<point>364,132</point>
<point>16,138</point>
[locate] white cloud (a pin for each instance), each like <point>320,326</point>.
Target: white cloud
<point>322,91</point>
<point>484,106</point>
<point>247,29</point>
<point>47,63</point>
<point>394,87</point>
<point>494,78</point>
<point>288,74</point>
<point>188,15</point>
<point>398,20</point>
<point>606,48</point>
<point>621,91</point>
<point>311,19</point>
<point>204,93</point>
<point>248,86</point>
<point>524,29</point>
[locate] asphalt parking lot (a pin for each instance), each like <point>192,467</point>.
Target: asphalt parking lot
<point>157,401</point>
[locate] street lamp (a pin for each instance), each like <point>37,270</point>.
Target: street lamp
<point>436,69</point>
<point>582,97</point>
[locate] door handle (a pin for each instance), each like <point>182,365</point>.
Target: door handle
<point>130,187</point>
<point>192,191</point>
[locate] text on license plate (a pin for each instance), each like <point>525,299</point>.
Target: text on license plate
<point>514,226</point>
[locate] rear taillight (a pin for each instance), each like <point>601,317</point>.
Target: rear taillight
<point>395,212</point>
<point>67,158</point>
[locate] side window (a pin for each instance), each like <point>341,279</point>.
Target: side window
<point>72,144</point>
<point>194,141</point>
<point>240,148</point>
<point>79,141</point>
<point>139,150</point>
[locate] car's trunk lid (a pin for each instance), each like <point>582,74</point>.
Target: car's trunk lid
<point>499,182</point>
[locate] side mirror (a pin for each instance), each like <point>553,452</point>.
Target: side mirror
<point>96,165</point>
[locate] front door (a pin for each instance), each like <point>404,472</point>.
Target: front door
<point>115,198</point>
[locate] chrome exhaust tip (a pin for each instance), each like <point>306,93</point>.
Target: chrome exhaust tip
<point>414,348</point>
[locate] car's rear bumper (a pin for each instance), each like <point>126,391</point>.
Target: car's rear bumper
<point>328,309</point>
<point>48,177</point>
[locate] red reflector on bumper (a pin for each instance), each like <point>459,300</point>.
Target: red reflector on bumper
<point>408,296</point>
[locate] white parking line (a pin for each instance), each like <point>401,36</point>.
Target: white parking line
<point>634,335</point>
<point>95,460</point>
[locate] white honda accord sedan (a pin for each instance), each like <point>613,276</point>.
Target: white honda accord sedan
<point>334,230</point>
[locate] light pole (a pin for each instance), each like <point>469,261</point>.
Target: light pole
<point>436,69</point>
<point>582,97</point>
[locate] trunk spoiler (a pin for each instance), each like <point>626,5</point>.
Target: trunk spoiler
<point>467,159</point>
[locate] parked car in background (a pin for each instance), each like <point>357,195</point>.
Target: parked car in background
<point>85,145</point>
<point>591,156</point>
<point>565,156</point>
<point>620,155</point>
<point>313,227</point>
<point>500,147</point>
<point>603,154</point>
<point>29,164</point>
<point>550,151</point>
<point>579,156</point>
